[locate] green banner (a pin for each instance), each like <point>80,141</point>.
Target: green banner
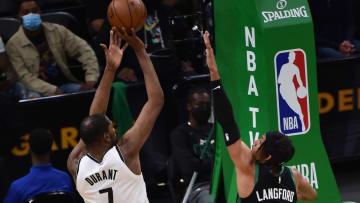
<point>266,58</point>
<point>121,114</point>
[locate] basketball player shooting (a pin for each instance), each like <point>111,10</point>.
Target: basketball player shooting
<point>260,173</point>
<point>105,169</point>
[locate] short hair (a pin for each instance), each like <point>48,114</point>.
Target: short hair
<point>194,90</point>
<point>41,141</point>
<point>20,2</point>
<point>279,146</point>
<point>93,127</point>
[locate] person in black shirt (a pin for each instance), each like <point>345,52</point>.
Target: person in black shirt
<point>189,140</point>
<point>260,173</point>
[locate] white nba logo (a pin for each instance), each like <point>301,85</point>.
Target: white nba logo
<point>292,92</point>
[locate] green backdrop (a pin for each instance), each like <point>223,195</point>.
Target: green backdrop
<point>251,37</point>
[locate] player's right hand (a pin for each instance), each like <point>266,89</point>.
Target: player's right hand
<point>114,53</point>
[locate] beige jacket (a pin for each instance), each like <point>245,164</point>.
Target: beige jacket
<point>26,60</point>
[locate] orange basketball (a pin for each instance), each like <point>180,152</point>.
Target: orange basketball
<point>127,13</point>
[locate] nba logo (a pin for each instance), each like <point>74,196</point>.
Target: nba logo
<point>292,92</point>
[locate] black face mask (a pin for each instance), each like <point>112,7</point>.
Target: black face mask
<point>201,115</point>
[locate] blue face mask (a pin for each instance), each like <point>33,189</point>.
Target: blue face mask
<point>31,21</point>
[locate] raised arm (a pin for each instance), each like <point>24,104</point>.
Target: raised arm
<point>114,56</point>
<point>239,152</point>
<point>135,137</point>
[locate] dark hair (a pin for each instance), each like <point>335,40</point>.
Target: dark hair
<point>20,2</point>
<point>279,146</point>
<point>194,90</point>
<point>41,141</point>
<point>93,127</point>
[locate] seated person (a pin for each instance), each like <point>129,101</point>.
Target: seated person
<point>42,177</point>
<point>334,28</point>
<point>38,52</point>
<point>8,77</point>
<point>189,140</point>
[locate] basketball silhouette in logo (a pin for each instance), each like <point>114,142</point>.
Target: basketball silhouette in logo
<point>301,92</point>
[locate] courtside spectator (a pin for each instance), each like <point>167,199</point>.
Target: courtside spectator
<point>39,51</point>
<point>189,140</point>
<point>8,77</point>
<point>334,22</point>
<point>42,177</point>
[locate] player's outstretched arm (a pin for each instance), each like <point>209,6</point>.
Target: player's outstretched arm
<point>303,188</point>
<point>135,137</point>
<point>239,152</point>
<point>114,56</point>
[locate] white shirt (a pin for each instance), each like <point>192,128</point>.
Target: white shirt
<point>2,48</point>
<point>109,181</point>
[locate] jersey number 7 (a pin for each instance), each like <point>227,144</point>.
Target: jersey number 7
<point>110,193</point>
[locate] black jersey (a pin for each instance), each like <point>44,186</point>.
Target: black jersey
<point>272,189</point>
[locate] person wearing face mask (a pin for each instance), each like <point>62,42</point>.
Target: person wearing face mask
<point>39,50</point>
<point>189,140</point>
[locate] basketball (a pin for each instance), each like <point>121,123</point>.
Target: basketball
<point>301,92</point>
<point>127,13</point>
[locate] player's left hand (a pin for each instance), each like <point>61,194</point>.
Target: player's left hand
<point>210,57</point>
<point>114,53</point>
<point>132,39</point>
